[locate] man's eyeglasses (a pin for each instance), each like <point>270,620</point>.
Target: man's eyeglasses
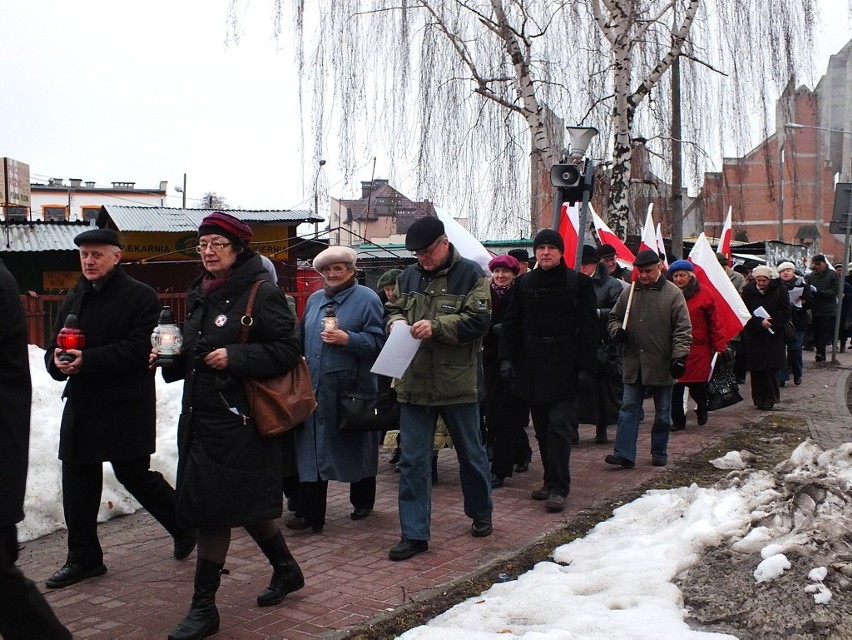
<point>216,246</point>
<point>426,253</point>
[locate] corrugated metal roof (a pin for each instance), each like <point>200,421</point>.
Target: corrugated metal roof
<point>177,219</point>
<point>40,236</point>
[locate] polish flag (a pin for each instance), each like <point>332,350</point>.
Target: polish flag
<point>725,238</point>
<point>623,255</point>
<point>661,247</point>
<point>730,308</point>
<point>649,234</point>
<point>569,224</point>
<point>648,239</point>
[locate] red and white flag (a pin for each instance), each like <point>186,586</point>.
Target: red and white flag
<point>569,224</point>
<point>661,247</point>
<point>649,234</point>
<point>623,255</point>
<point>725,238</point>
<point>730,307</point>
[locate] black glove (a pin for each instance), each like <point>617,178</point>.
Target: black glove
<point>677,367</point>
<point>507,371</point>
<point>620,336</point>
<point>497,328</point>
<point>726,356</point>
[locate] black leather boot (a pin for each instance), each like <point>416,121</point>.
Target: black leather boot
<point>286,574</point>
<point>202,620</point>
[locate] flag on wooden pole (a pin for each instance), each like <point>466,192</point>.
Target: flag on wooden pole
<point>623,255</point>
<point>725,239</point>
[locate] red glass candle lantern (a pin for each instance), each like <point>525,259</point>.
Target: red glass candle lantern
<point>70,337</point>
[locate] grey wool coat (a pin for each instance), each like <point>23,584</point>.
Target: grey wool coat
<point>658,330</point>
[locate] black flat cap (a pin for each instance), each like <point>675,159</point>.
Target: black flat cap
<point>98,236</point>
<point>590,255</point>
<point>646,258</point>
<point>423,232</point>
<point>520,255</point>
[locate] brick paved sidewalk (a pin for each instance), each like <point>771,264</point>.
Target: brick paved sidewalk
<point>349,578</point>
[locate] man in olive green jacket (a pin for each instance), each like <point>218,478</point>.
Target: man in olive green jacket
<point>656,343</point>
<point>444,300</point>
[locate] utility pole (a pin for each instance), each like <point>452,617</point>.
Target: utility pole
<point>184,191</point>
<point>677,164</point>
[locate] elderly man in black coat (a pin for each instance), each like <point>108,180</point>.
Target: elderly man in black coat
<point>110,404</point>
<point>24,614</point>
<point>549,338</point>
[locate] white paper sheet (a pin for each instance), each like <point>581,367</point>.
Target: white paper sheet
<point>397,353</point>
<point>796,296</point>
<point>760,312</point>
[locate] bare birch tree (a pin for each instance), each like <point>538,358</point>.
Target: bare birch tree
<point>464,90</point>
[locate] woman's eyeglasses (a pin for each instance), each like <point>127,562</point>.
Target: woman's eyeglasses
<point>216,246</point>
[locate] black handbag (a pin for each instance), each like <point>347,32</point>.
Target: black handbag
<point>722,389</point>
<point>367,410</point>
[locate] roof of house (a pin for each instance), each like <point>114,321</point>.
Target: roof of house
<point>386,201</point>
<point>40,236</point>
<point>177,219</point>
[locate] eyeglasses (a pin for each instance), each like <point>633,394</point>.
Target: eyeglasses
<point>216,246</point>
<point>426,253</point>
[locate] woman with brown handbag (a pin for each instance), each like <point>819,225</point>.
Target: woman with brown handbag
<point>228,474</point>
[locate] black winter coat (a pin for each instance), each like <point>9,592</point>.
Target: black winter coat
<point>766,350</point>
<point>228,475</point>
<point>550,333</point>
<point>110,406</point>
<point>15,399</point>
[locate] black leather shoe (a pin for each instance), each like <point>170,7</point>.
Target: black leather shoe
<point>298,523</point>
<point>797,381</point>
<point>541,494</point>
<point>360,513</point>
<point>619,461</point>
<point>659,461</point>
<point>72,573</point>
<point>702,418</point>
<point>555,502</point>
<point>481,528</point>
<point>496,481</point>
<point>677,427</point>
<point>405,549</point>
<point>522,467</point>
<point>184,546</point>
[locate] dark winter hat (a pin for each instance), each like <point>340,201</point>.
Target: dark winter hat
<point>507,262</point>
<point>590,255</point>
<point>606,250</point>
<point>750,264</point>
<point>646,258</point>
<point>98,236</point>
<point>423,232</point>
<point>680,265</point>
<point>520,255</point>
<point>722,258</point>
<point>226,225</point>
<point>549,236</point>
<point>388,278</point>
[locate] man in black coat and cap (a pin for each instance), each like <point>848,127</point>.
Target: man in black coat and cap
<point>110,404</point>
<point>549,338</point>
<point>24,614</point>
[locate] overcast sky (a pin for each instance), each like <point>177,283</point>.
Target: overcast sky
<point>113,91</point>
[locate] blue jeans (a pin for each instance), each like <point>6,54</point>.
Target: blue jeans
<point>629,417</point>
<point>794,359</point>
<point>417,435</point>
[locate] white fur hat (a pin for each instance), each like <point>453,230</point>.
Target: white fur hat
<point>762,270</point>
<point>333,255</point>
<point>786,265</point>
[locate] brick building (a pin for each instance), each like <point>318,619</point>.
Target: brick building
<point>783,189</point>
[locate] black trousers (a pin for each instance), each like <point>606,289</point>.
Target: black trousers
<point>823,332</point>
<point>764,387</point>
<point>24,613</point>
<point>698,391</point>
<point>507,421</point>
<point>552,422</point>
<point>81,498</point>
<point>313,497</point>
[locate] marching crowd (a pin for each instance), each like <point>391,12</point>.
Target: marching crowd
<point>557,346</point>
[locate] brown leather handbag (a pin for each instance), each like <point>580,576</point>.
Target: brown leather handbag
<point>279,403</point>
